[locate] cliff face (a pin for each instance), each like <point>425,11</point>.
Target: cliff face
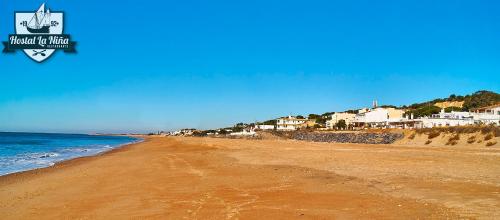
<point>458,104</point>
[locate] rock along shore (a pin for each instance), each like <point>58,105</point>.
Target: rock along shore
<point>354,137</point>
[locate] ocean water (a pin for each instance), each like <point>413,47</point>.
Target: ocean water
<point>26,151</point>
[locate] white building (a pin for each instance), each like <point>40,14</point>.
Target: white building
<point>244,132</point>
<point>452,115</point>
<point>290,123</point>
<point>442,122</point>
<point>337,116</point>
<point>373,118</point>
<point>444,119</point>
<point>265,127</point>
<point>487,115</point>
<point>187,131</point>
<point>379,117</point>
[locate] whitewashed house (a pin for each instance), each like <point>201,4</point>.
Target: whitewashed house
<point>244,132</point>
<point>374,118</point>
<point>452,115</point>
<point>379,117</point>
<point>264,127</point>
<point>444,119</point>
<point>487,115</point>
<point>187,131</point>
<point>337,116</point>
<point>290,123</point>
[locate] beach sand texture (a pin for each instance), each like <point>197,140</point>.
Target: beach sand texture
<point>211,178</point>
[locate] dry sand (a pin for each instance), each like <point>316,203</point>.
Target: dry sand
<point>209,178</point>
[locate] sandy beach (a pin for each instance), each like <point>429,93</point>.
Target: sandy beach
<point>211,178</point>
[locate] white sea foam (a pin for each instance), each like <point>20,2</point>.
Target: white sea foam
<point>33,160</point>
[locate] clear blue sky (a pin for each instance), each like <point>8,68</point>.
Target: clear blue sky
<point>161,65</point>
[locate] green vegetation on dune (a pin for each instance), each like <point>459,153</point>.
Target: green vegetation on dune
<point>450,109</point>
<point>268,122</point>
<point>478,99</point>
<point>422,111</point>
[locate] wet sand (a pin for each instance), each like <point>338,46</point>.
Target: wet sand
<point>209,178</point>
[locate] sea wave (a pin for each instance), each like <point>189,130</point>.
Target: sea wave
<point>35,160</point>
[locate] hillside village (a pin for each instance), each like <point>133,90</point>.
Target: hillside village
<point>480,108</point>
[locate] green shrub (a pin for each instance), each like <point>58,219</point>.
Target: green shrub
<point>452,108</point>
<point>480,99</point>
<point>425,110</point>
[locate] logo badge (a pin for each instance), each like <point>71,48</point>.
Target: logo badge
<point>39,34</point>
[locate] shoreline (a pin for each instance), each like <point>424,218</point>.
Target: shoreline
<point>64,162</point>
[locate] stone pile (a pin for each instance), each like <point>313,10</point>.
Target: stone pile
<point>362,138</point>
